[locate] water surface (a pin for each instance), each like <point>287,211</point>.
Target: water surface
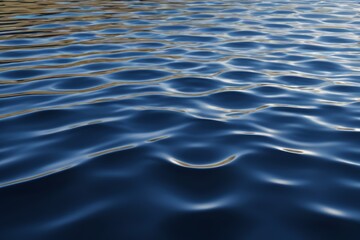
<point>180,119</point>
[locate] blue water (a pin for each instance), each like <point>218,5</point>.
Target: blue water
<point>180,119</point>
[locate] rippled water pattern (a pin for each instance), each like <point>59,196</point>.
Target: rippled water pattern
<point>180,119</point>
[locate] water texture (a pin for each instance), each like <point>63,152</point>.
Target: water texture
<point>180,119</point>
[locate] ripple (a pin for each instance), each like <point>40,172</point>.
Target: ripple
<point>192,84</point>
<point>242,76</point>
<point>179,119</point>
<point>333,39</point>
<point>324,66</point>
<point>300,81</point>
<point>34,177</point>
<point>189,38</point>
<point>183,65</point>
<point>203,166</point>
<point>246,33</point>
<point>333,212</point>
<point>135,75</point>
<point>236,45</point>
<point>22,74</point>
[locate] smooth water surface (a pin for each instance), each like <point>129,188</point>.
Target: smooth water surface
<point>180,119</point>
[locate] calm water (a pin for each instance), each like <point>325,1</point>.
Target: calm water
<point>180,119</point>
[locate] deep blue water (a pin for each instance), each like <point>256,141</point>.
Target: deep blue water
<point>182,120</point>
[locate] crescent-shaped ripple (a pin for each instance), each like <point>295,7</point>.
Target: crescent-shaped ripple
<point>220,163</point>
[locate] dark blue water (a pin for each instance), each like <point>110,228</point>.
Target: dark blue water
<point>180,119</point>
